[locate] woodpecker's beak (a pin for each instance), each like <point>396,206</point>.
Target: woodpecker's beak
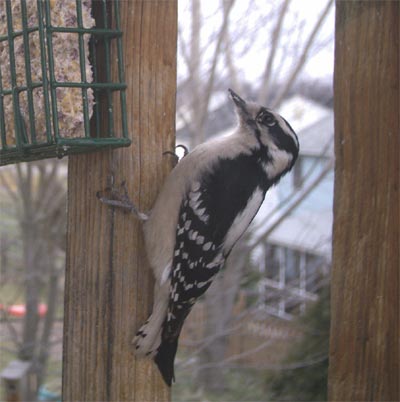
<point>241,107</point>
<point>239,102</point>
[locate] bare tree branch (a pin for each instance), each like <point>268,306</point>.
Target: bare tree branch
<point>11,192</point>
<point>11,328</point>
<point>183,47</point>
<point>303,58</point>
<point>228,52</point>
<point>265,81</point>
<point>278,367</point>
<point>206,95</point>
<point>210,84</point>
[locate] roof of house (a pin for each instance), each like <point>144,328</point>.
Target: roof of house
<point>309,233</point>
<point>305,231</point>
<point>317,139</point>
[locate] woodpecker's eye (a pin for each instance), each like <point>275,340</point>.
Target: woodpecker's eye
<point>267,119</point>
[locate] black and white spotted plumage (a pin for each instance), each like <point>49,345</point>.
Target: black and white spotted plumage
<point>207,203</point>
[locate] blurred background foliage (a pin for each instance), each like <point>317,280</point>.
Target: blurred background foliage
<point>307,380</point>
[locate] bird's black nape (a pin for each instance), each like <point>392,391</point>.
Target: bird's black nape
<point>165,358</point>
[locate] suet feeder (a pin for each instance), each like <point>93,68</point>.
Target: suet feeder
<point>62,88</point>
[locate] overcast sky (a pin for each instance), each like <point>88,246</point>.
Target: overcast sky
<point>251,22</point>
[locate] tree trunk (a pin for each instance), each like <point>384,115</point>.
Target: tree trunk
<point>31,245</point>
<point>108,293</point>
<point>48,324</point>
<point>364,343</point>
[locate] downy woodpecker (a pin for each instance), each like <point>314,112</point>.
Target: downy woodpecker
<point>206,204</point>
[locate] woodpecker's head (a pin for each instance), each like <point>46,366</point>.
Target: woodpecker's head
<point>271,130</point>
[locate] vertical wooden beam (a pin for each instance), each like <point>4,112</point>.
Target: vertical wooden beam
<point>108,290</point>
<point>365,335</point>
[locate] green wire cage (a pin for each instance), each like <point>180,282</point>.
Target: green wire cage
<point>62,88</point>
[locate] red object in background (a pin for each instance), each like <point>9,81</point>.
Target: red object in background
<point>19,310</point>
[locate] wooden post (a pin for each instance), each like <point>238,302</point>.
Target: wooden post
<point>364,348</point>
<point>108,290</point>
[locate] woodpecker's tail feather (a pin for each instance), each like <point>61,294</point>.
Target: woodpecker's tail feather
<point>165,360</point>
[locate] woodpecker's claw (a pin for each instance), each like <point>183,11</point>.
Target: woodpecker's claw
<point>114,198</point>
<point>185,149</point>
<point>185,152</point>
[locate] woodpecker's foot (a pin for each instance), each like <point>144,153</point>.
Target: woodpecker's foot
<point>114,197</point>
<point>176,157</point>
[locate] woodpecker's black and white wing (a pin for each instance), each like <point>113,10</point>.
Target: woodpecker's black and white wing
<point>215,212</point>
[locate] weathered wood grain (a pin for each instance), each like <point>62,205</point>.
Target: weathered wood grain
<point>108,290</point>
<point>365,335</point>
